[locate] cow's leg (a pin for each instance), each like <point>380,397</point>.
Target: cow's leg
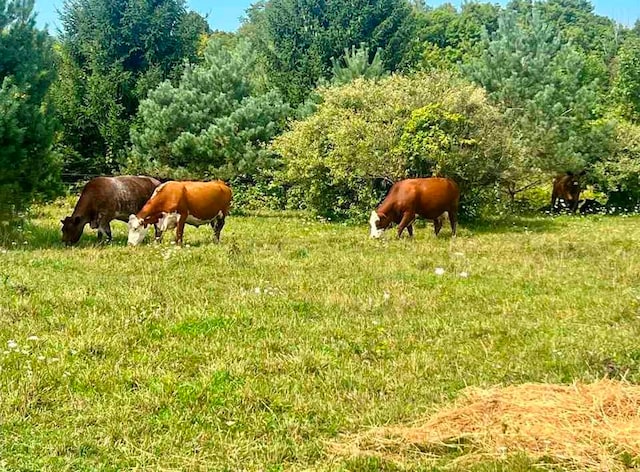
<point>554,201</point>
<point>410,230</point>
<point>217,224</point>
<point>106,228</point>
<point>182,220</point>
<point>437,225</point>
<point>453,221</point>
<point>406,220</point>
<point>158,233</point>
<point>574,204</point>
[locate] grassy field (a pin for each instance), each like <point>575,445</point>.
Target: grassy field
<point>255,353</point>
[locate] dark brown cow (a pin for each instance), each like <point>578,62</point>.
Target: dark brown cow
<point>175,204</point>
<point>429,198</point>
<point>104,199</point>
<point>566,187</point>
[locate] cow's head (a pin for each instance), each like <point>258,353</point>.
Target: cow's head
<point>72,227</point>
<point>137,230</point>
<point>573,185</point>
<point>376,225</point>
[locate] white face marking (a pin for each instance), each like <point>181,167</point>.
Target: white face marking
<point>137,231</point>
<point>375,232</point>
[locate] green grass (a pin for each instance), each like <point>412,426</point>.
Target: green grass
<point>162,358</point>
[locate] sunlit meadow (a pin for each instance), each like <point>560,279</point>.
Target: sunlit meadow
<point>257,353</point>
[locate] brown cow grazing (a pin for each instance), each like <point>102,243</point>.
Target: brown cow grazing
<point>566,187</point>
<point>174,204</point>
<point>429,198</point>
<point>104,199</point>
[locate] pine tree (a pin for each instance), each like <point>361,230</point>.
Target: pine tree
<point>355,64</point>
<point>542,84</point>
<point>214,123</point>
<point>27,166</point>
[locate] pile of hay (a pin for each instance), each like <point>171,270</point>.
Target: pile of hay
<point>595,426</point>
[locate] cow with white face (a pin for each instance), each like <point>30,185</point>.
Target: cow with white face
<point>431,198</point>
<point>175,204</point>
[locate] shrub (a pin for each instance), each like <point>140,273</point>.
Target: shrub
<point>619,172</point>
<point>366,135</point>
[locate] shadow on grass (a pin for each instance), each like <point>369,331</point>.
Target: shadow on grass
<point>514,224</point>
<point>28,235</point>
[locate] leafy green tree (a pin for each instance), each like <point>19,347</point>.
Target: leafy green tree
<point>626,83</point>
<point>369,132</point>
<point>618,173</point>
<point>27,165</point>
<point>296,39</point>
<point>445,36</point>
<point>355,63</point>
<point>111,54</point>
<point>214,123</point>
<point>542,85</point>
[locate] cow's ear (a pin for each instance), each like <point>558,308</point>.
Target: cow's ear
<point>63,220</point>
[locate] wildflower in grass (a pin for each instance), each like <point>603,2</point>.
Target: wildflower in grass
<point>257,290</point>
<point>458,254</point>
<point>386,295</point>
<point>439,271</point>
<point>464,275</point>
<point>33,338</point>
<point>11,344</point>
<point>40,358</point>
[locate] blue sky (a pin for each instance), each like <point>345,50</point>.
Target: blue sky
<point>225,15</point>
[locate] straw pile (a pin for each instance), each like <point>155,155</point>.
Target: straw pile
<point>594,426</point>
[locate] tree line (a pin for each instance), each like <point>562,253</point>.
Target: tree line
<point>320,104</point>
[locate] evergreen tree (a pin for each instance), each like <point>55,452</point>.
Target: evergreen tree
<point>214,123</point>
<point>296,39</point>
<point>355,63</point>
<point>27,166</point>
<point>112,52</point>
<point>542,84</point>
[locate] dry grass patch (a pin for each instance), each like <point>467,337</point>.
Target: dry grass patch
<point>587,426</point>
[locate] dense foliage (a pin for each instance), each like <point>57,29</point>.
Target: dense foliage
<point>214,123</point>
<point>27,166</point>
<point>543,86</point>
<point>145,86</point>
<point>296,39</point>
<point>111,54</point>
<point>370,133</point>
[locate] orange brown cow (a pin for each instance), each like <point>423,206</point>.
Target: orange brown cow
<point>175,204</point>
<point>429,198</point>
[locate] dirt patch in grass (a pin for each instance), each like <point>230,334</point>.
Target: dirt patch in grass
<point>583,426</point>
